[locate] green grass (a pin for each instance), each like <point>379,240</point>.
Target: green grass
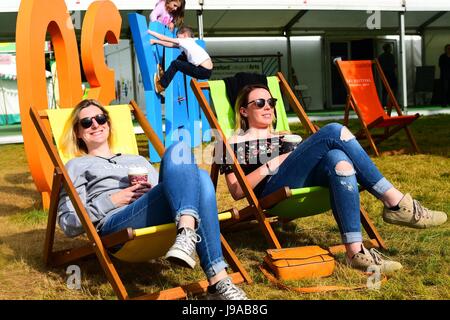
<point>425,254</point>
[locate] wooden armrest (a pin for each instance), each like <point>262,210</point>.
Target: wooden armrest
<point>275,197</point>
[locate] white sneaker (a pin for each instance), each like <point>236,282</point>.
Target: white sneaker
<point>227,290</point>
<point>183,250</point>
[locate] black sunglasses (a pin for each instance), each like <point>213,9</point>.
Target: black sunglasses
<point>260,103</point>
<point>100,119</point>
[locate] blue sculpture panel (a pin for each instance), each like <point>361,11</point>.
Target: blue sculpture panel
<point>147,57</point>
<point>184,119</point>
<point>177,120</point>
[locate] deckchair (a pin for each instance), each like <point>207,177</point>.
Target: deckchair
<point>285,203</point>
<point>138,245</point>
<point>363,98</point>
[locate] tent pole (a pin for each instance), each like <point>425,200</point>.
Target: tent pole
<point>200,23</point>
<point>289,56</point>
<point>4,102</point>
<point>403,63</point>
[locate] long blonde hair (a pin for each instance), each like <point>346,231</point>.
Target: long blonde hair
<point>242,101</point>
<point>71,145</point>
<point>178,15</point>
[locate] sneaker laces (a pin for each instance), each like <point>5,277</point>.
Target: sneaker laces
<point>419,211</point>
<point>187,239</point>
<point>230,291</point>
<point>378,256</point>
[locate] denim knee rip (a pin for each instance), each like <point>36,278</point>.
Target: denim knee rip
<point>345,172</point>
<point>346,135</point>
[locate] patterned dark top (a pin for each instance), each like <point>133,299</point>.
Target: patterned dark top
<point>251,155</point>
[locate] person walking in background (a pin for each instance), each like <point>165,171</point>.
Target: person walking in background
<point>388,65</point>
<point>169,12</point>
<point>444,65</point>
<point>331,157</point>
<point>194,60</point>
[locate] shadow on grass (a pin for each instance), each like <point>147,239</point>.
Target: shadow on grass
<point>7,209</point>
<point>137,277</point>
<point>251,237</point>
<point>431,134</point>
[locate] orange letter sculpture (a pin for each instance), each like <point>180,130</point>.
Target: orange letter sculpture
<point>102,21</point>
<point>34,20</point>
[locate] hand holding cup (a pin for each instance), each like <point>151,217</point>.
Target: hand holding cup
<point>137,175</point>
<point>289,142</point>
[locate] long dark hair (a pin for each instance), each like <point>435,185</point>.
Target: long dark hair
<point>178,15</point>
<point>241,101</point>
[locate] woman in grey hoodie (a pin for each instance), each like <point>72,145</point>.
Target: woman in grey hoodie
<point>181,192</point>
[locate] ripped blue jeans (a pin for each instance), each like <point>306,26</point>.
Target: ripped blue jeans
<point>183,189</point>
<point>313,163</point>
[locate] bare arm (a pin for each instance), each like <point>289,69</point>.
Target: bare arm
<point>254,177</point>
<point>164,43</point>
<point>163,37</point>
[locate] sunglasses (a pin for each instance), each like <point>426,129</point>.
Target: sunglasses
<point>100,119</point>
<point>260,103</point>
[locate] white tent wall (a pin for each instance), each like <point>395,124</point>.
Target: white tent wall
<point>118,57</point>
<point>269,18</point>
<point>306,61</point>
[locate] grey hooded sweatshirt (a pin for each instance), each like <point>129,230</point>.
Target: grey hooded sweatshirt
<point>95,179</point>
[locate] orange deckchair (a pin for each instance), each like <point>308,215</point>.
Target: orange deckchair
<point>138,245</point>
<point>363,98</point>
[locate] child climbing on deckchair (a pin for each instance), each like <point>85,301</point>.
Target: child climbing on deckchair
<point>194,60</point>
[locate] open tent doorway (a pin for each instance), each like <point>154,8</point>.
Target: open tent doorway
<point>359,49</point>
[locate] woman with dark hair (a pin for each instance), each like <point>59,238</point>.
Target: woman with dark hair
<point>332,158</point>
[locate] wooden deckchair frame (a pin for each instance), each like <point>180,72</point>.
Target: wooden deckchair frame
<point>98,245</point>
<point>256,207</point>
<point>364,132</point>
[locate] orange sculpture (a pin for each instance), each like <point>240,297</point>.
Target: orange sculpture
<point>35,19</point>
<point>101,21</point>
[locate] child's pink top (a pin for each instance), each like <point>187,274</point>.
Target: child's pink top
<point>160,14</point>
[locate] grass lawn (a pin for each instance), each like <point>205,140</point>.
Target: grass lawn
<point>425,254</point>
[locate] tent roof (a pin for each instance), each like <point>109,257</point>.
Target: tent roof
<point>385,5</point>
<point>273,17</point>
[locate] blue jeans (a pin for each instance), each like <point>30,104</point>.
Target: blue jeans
<point>181,64</point>
<point>183,189</point>
<point>313,163</point>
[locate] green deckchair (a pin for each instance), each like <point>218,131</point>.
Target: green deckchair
<point>285,203</point>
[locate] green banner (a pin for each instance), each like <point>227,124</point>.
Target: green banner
<point>7,47</point>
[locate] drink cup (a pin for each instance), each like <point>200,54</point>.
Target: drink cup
<point>137,175</point>
<point>289,142</point>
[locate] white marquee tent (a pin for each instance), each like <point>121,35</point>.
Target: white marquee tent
<point>289,18</point>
